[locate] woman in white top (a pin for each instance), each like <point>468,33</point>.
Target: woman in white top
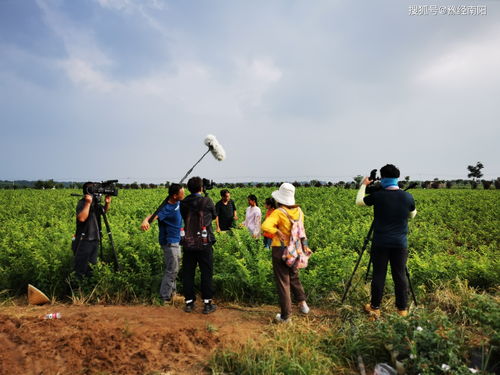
<point>253,217</point>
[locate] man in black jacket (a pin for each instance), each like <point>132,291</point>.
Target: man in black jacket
<point>392,209</point>
<point>198,213</point>
<point>88,231</point>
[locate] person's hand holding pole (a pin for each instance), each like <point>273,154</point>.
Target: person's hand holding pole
<point>145,223</point>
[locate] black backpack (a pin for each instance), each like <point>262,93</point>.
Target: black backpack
<point>193,224</point>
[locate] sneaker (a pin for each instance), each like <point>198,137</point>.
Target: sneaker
<point>304,309</point>
<point>209,308</point>
<point>374,313</point>
<point>403,313</point>
<point>279,319</point>
<point>189,307</point>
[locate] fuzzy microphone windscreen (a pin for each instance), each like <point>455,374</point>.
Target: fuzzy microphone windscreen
<point>215,147</point>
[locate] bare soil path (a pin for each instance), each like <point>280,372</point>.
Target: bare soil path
<point>132,339</point>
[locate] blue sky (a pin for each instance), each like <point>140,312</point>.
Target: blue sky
<point>293,90</point>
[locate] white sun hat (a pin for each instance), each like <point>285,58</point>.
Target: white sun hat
<point>285,195</point>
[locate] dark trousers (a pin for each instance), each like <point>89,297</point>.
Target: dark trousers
<point>287,280</point>
<point>397,257</point>
<point>85,254</point>
<point>190,259</point>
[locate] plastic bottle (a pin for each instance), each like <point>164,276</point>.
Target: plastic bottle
<point>204,235</point>
<point>384,369</point>
<point>56,315</point>
<point>183,233</point>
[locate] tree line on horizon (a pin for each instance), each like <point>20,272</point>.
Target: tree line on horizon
<point>474,173</point>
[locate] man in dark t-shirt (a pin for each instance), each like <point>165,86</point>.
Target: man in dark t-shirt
<point>226,212</point>
<point>88,231</point>
<point>392,207</point>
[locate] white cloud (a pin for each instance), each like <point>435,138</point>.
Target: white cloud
<point>131,5</point>
<point>467,64</point>
<point>253,79</point>
<point>81,72</point>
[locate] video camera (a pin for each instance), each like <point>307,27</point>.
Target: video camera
<point>102,188</point>
<point>207,184</point>
<point>374,184</point>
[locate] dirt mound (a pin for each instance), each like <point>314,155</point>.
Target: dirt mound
<point>118,339</point>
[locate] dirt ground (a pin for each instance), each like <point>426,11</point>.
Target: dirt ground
<point>132,339</point>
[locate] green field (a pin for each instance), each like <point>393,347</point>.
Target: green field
<point>454,265</point>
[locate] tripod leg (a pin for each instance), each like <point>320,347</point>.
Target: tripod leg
<point>411,287</point>
<point>348,284</point>
<point>108,230</point>
<point>365,244</point>
<point>368,268</point>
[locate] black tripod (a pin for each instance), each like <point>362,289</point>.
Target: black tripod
<point>368,238</point>
<point>98,210</point>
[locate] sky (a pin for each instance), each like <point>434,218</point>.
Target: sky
<point>292,89</point>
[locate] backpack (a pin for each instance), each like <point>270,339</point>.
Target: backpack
<point>297,253</point>
<point>193,224</point>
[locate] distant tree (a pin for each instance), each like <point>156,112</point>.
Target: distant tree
<point>425,184</point>
<point>153,186</point>
<point>449,184</point>
<point>347,185</point>
<point>497,183</point>
<point>330,184</point>
<point>134,185</point>
<point>436,184</point>
<point>259,185</point>
<point>296,183</point>
<point>39,184</point>
<point>475,171</point>
<point>357,180</point>
<point>144,186</point>
<point>486,184</point>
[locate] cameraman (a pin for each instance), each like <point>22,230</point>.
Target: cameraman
<point>88,231</point>
<point>392,208</point>
<point>198,212</point>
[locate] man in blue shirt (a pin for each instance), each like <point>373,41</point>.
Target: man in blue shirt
<point>392,208</point>
<point>170,223</point>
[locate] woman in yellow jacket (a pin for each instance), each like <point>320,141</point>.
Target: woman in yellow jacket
<point>287,278</point>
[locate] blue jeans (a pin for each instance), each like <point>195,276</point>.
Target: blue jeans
<point>172,254</point>
<point>267,242</point>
